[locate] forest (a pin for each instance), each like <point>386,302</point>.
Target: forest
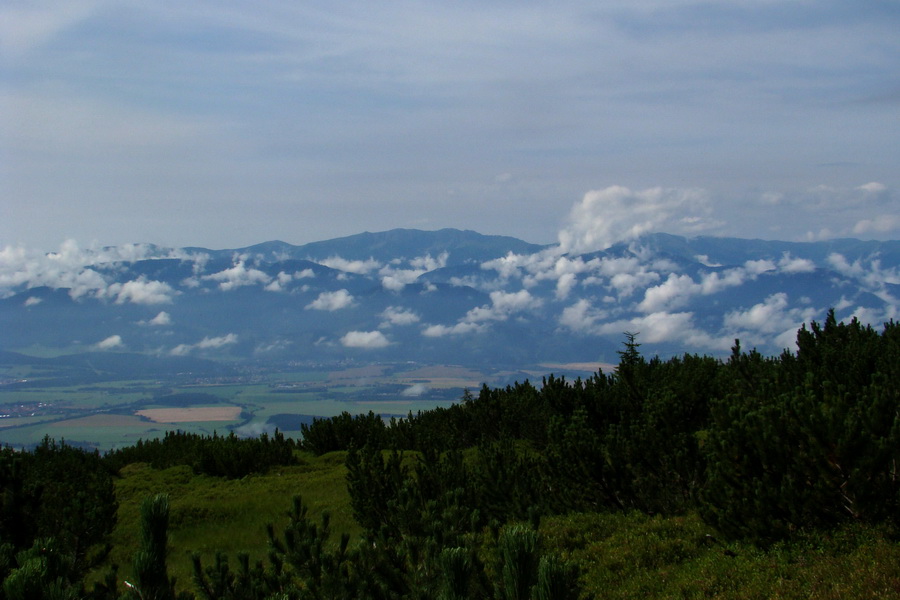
<point>773,459</point>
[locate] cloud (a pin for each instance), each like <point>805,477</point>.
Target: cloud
<point>658,327</point>
<point>360,267</point>
<point>885,223</point>
<point>506,303</point>
<point>768,316</point>
<point>237,276</point>
<point>141,291</point>
<point>653,328</point>
<point>617,213</point>
<point>503,304</point>
<point>365,339</point>
<point>461,328</point>
<point>395,315</point>
<point>33,300</point>
<point>789,264</point>
<point>253,430</point>
<point>206,343</point>
<point>873,187</point>
<point>25,26</point>
<point>79,271</point>
<point>162,319</point>
<point>414,391</point>
<point>113,341</point>
<point>581,316</point>
<point>395,279</point>
<point>279,282</point>
<point>674,292</point>
<point>770,321</point>
<point>217,342</point>
<point>181,350</point>
<point>331,301</point>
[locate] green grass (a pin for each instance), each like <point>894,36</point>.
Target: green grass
<point>210,513</point>
<point>635,556</point>
<point>620,556</point>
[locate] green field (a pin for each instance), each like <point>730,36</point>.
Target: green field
<point>87,409</point>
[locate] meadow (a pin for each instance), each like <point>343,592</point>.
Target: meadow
<point>620,555</point>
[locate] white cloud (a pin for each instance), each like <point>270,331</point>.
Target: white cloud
<point>162,319</point>
<point>675,291</point>
<point>205,344</point>
<point>395,279</point>
<point>882,224</point>
<point>503,304</point>
<point>279,282</point>
<point>238,275</point>
<point>395,315</point>
<point>181,350</point>
<point>331,301</point>
<point>873,187</point>
<point>656,327</point>
<point>33,300</point>
<point>757,267</point>
<point>789,264</point>
<point>768,316</point>
<point>461,328</point>
<point>365,339</point>
<point>414,391</point>
<point>564,285</point>
<point>113,341</point>
<point>217,342</point>
<point>604,217</point>
<point>770,321</point>
<point>77,270</point>
<point>274,346</point>
<point>141,291</point>
<point>581,317</point>
<point>360,267</point>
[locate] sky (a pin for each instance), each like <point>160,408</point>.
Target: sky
<point>224,124</point>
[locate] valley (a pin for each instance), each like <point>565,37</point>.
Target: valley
<point>104,410</point>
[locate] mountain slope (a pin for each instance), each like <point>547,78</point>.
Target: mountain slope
<point>445,296</point>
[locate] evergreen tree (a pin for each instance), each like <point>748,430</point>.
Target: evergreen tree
<point>151,576</point>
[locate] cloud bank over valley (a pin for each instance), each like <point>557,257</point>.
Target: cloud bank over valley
<point>450,295</point>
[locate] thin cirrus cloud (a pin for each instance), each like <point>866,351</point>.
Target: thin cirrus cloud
<point>310,121</point>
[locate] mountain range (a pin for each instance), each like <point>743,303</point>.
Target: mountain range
<point>447,296</point>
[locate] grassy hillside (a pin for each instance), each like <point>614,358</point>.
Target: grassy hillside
<point>625,556</point>
<point>210,514</point>
<point>620,555</point>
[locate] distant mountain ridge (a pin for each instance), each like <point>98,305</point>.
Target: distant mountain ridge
<point>462,245</point>
<point>447,296</point>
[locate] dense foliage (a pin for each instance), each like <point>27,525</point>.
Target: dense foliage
<point>763,449</point>
<point>220,456</point>
<point>57,506</point>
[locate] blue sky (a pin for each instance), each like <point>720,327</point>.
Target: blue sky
<point>224,124</point>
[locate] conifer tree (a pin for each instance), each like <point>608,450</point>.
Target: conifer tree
<point>151,576</point>
<point>519,551</point>
<point>557,579</point>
